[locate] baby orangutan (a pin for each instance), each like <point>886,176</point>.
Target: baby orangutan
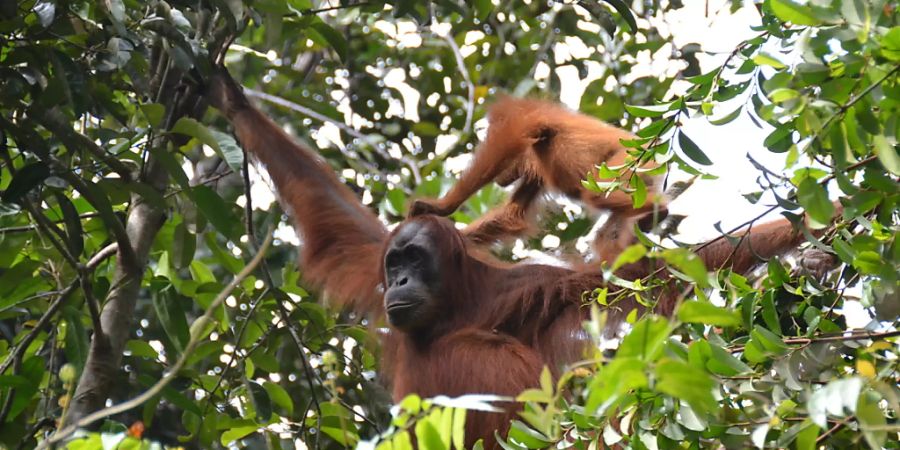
<point>545,145</point>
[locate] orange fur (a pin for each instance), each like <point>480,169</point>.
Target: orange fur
<point>500,323</point>
<point>545,145</point>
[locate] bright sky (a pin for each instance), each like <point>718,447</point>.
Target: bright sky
<point>709,23</point>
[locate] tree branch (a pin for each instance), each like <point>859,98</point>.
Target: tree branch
<point>197,333</point>
<point>840,338</point>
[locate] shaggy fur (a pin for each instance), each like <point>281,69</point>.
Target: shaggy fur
<point>500,323</point>
<point>545,145</point>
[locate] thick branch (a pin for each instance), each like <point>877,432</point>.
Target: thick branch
<point>104,358</point>
<point>196,335</point>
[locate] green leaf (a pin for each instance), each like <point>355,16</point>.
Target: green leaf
<point>887,154</point>
<point>639,196</point>
<point>141,349</point>
<point>806,438</point>
<point>691,150</point>
<point>26,179</point>
<point>728,118</point>
<point>708,314</point>
<point>200,272</point>
<point>623,9</point>
<point>428,436</point>
<point>396,202</point>
<point>261,401</point>
<point>74,231</point>
<point>216,211</point>
<point>184,244</point>
<point>154,113</point>
<point>236,433</point>
<point>615,379</point>
<point>632,253</point>
<point>688,263</point>
<point>279,396</point>
<point>788,11</point>
<point>646,339</point>
<point>724,363</point>
<point>229,150</point>
<point>872,419</point>
<point>528,437</point>
<point>783,94</point>
<point>483,8</point>
<point>171,316</point>
<point>813,197</point>
<point>223,144</point>
<point>868,262</point>
<point>890,44</point>
<point>33,371</point>
<point>334,39</point>
<point>685,382</point>
<point>764,59</point>
<point>458,434</point>
<point>76,339</point>
<point>648,111</point>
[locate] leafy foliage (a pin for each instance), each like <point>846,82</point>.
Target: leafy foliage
<point>120,195</point>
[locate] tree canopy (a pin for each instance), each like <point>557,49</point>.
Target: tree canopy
<point>141,292</point>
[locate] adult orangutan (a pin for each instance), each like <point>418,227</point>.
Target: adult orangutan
<point>544,145</point>
<point>462,322</point>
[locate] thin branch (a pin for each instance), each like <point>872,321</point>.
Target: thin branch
<point>209,180</point>
<point>832,430</point>
<point>310,11</point>
<point>84,274</point>
<point>850,103</point>
<point>750,222</point>
<point>55,121</point>
<point>32,227</point>
<point>101,256</point>
<point>50,232</point>
<point>283,102</point>
<point>858,336</point>
<point>109,219</point>
<point>464,71</point>
<point>38,327</point>
<point>545,46</point>
<point>197,332</point>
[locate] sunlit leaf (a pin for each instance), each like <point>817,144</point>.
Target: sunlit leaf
<point>789,11</point>
<point>708,314</point>
<point>692,150</point>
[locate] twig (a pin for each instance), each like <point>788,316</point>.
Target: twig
<point>38,327</point>
<point>832,430</point>
<point>196,334</point>
<point>332,8</point>
<point>545,46</point>
<point>464,71</point>
<point>51,232</point>
<point>209,180</point>
<point>33,226</point>
<point>46,422</point>
<point>54,121</point>
<point>101,256</point>
<point>840,338</point>
<point>280,101</point>
<point>283,102</point>
<point>843,108</point>
<point>126,252</point>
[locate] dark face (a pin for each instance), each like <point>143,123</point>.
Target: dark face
<point>412,278</point>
